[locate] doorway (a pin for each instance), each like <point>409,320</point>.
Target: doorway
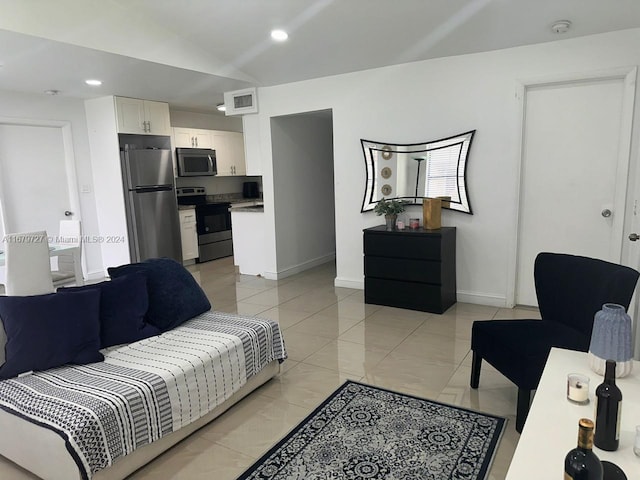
<point>303,183</point>
<point>575,159</point>
<point>37,176</point>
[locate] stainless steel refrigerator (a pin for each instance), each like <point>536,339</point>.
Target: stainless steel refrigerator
<point>150,200</point>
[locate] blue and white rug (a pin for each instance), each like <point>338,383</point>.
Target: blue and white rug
<point>365,432</point>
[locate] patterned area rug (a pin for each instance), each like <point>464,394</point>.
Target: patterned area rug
<point>365,432</point>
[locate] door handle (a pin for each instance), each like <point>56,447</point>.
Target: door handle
<point>68,213</point>
<point>634,237</point>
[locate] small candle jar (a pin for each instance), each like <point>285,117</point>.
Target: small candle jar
<point>578,388</point>
<point>414,223</point>
<point>400,225</point>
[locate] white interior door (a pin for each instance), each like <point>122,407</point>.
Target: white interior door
<point>574,171</point>
<point>34,185</point>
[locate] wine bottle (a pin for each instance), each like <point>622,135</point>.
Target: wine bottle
<point>581,463</point>
<point>608,408</point>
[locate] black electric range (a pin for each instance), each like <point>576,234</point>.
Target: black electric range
<point>213,222</point>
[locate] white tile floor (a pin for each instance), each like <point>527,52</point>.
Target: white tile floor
<point>331,336</point>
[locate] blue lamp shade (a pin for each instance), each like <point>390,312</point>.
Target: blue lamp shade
<point>611,340</point>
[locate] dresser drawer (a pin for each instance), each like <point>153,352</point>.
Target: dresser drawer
<point>414,269</point>
<point>403,246</point>
<point>403,269</point>
<point>395,293</point>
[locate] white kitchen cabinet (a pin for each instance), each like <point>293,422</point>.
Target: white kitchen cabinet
<point>251,136</point>
<point>191,138</point>
<point>229,147</point>
<point>235,143</point>
<point>142,116</point>
<point>188,234</point>
<point>248,241</point>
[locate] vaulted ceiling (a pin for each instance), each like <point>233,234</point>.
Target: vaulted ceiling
<point>189,52</point>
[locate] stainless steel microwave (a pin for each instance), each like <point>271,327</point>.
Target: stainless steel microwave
<point>196,162</point>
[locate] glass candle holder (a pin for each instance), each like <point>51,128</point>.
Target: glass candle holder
<point>578,388</point>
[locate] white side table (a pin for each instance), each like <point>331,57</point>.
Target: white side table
<point>551,429</point>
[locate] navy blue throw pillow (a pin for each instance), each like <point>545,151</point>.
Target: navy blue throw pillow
<point>47,331</point>
<point>174,295</point>
<point>123,305</point>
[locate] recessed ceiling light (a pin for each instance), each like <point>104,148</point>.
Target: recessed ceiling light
<point>93,83</point>
<point>561,26</point>
<point>279,35</point>
<point>52,92</point>
<point>221,107</point>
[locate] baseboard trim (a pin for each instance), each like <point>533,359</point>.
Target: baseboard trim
<point>346,283</point>
<point>482,299</point>
<point>463,297</point>
<point>300,267</point>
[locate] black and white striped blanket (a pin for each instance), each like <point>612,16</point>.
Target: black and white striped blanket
<point>145,390</point>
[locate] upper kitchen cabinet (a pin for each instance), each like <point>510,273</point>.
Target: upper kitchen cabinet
<point>191,138</point>
<point>229,147</point>
<point>142,116</point>
<point>251,134</point>
<point>235,142</point>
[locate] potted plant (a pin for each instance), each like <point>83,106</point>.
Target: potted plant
<point>390,208</point>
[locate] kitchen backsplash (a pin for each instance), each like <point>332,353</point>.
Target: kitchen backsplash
<point>218,185</point>
<point>230,197</point>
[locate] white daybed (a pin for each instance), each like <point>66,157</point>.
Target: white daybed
<point>243,352</point>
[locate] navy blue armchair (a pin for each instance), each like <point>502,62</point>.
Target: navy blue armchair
<point>570,290</point>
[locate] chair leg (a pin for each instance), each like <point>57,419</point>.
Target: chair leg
<point>476,363</point>
<point>524,400</point>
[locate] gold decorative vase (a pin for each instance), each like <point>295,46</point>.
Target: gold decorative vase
<point>431,213</point>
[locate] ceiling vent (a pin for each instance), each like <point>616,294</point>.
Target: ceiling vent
<point>240,102</point>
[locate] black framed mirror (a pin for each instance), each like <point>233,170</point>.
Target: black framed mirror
<point>413,171</point>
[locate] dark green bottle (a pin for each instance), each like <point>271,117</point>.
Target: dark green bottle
<point>608,409</point>
<point>581,463</point>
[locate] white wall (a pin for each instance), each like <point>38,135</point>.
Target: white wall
<point>61,109</point>
<point>303,189</point>
<point>429,100</point>
<point>107,172</point>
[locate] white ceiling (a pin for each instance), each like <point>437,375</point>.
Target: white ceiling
<point>189,52</point>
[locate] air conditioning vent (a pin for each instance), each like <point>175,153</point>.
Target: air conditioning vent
<point>240,102</point>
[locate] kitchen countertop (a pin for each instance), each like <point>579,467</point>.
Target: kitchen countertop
<point>231,198</point>
<point>186,207</point>
<point>253,206</point>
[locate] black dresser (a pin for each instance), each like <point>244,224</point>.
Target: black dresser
<point>414,269</point>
